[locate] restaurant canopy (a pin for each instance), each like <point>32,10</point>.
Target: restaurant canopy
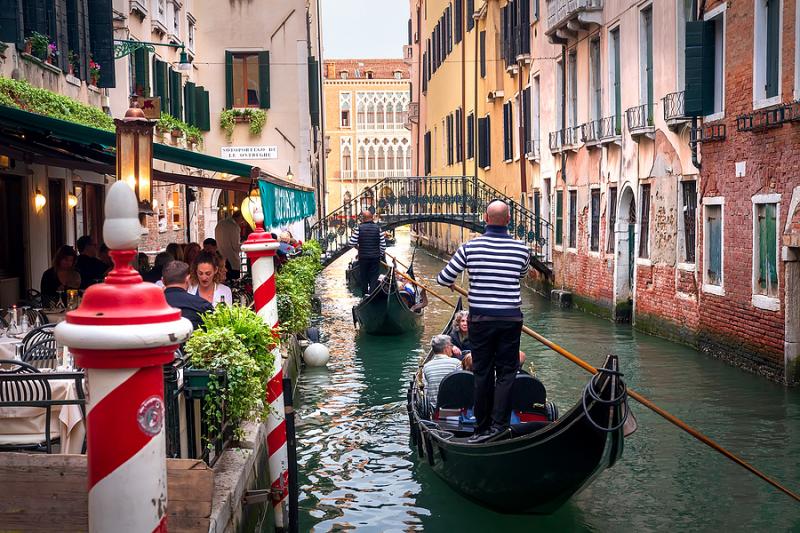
<point>50,141</point>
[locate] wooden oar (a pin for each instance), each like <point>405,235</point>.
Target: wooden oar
<point>633,394</point>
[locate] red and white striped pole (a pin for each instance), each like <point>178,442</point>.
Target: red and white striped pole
<point>261,248</point>
<point>122,334</point>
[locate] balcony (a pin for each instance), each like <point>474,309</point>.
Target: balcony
<point>566,139</point>
<point>533,149</point>
<point>565,18</point>
<point>408,54</point>
<point>602,131</point>
<point>707,133</point>
<point>640,121</point>
<point>413,112</point>
<point>346,175</point>
<point>673,110</point>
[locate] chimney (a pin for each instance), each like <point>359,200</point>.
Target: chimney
<point>330,70</point>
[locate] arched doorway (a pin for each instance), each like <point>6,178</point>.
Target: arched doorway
<point>791,258</point>
<point>625,234</point>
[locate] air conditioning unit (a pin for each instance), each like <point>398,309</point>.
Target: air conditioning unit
<point>494,95</point>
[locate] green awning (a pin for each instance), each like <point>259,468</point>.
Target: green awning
<point>282,205</point>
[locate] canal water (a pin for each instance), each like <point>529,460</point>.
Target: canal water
<point>357,471</point>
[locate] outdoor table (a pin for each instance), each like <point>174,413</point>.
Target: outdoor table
<point>8,347</point>
<point>26,425</point>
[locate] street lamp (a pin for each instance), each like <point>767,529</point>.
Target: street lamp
<point>289,175</point>
<point>183,63</point>
<point>135,155</point>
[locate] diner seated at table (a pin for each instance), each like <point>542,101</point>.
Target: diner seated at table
<point>176,282</point>
<point>91,269</point>
<point>207,273</point>
<point>154,274</point>
<point>60,277</point>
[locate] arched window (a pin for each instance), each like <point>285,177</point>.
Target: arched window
<point>361,118</point>
<point>371,159</point>
<point>380,120</point>
<point>347,163</point>
<point>390,159</point>
<point>390,120</point>
<point>408,158</point>
<point>381,159</point>
<point>362,159</point>
<point>399,159</point>
<point>370,116</point>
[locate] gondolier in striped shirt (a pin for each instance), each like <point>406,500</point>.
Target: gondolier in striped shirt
<point>371,245</point>
<point>495,263</point>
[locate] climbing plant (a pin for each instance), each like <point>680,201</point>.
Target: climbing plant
<point>256,117</point>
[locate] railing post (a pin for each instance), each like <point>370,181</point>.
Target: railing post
<point>122,334</point>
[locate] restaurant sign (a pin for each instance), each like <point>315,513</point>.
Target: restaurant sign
<point>151,106</point>
<point>249,152</point>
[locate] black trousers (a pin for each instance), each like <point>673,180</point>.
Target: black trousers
<point>495,360</point>
<point>369,268</point>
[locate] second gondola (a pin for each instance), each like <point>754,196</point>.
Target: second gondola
<point>386,310</point>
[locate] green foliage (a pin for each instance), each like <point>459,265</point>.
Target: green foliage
<point>256,117</point>
<point>220,349</point>
<point>22,95</point>
<point>295,286</point>
<point>251,330</point>
<point>168,123</point>
<point>39,45</point>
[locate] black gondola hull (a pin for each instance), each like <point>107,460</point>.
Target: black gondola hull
<point>383,311</point>
<point>353,277</point>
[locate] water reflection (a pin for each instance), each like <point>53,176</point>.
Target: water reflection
<point>358,472</point>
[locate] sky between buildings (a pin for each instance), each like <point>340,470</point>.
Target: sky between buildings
<point>364,28</point>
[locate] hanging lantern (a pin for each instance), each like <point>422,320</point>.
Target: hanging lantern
<point>135,155</point>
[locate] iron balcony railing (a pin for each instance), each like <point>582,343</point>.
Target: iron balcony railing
<point>459,200</point>
<point>603,130</point>
<point>673,106</point>
<point>559,12</point>
<point>533,149</point>
<point>566,138</point>
<point>640,117</point>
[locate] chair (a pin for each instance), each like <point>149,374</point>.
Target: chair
<point>529,399</point>
<point>22,385</point>
<point>33,298</point>
<point>43,354</point>
<point>37,335</point>
<point>456,391</point>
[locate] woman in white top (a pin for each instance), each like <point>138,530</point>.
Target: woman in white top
<point>205,277</point>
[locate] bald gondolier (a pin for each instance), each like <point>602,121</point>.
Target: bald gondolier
<point>371,245</point>
<point>495,263</point>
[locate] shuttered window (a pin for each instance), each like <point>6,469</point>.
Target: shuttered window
<point>482,45</point>
<point>484,142</point>
<point>77,37</point>
<point>459,135</point>
<point>190,99</point>
<point>470,10</point>
<point>713,246</point>
<point>11,22</point>
<point>141,72</point>
<point>427,153</point>
<point>449,138</point>
<point>313,90</point>
<point>101,32</point>
<point>176,94</point>
<point>573,219</point>
<point>161,87</point>
<point>773,36</point>
<point>594,236</point>
<point>508,132</point>
<point>247,79</point>
<point>559,217</point>
<point>202,116</point>
<point>644,228</point>
<point>689,208</point>
<point>470,136</point>
<point>458,15</point>
<point>767,250</point>
<point>612,219</point>
<point>537,212</point>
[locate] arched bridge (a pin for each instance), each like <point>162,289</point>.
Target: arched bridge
<point>456,200</point>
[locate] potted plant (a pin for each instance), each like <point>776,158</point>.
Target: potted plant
<point>52,52</point>
<point>40,46</point>
<point>72,62</point>
<point>94,72</point>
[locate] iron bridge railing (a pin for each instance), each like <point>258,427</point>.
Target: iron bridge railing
<point>459,200</point>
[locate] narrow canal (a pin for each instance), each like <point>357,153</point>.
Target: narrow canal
<point>358,472</point>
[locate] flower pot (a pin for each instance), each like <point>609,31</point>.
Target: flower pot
<point>195,381</point>
<point>70,69</point>
<point>176,133</point>
<point>93,80</point>
<point>28,47</point>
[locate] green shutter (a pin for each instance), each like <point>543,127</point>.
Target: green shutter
<point>767,248</point>
<point>773,34</point>
<point>176,95</point>
<point>559,217</point>
<point>11,21</point>
<point>699,65</point>
<point>101,38</point>
<point>189,103</point>
<point>161,85</point>
<point>228,79</point>
<point>313,89</point>
<point>141,72</point>
<point>715,250</point>
<point>263,79</point>
<point>202,110</point>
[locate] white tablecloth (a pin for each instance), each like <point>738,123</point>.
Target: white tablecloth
<point>26,425</point>
<point>8,347</point>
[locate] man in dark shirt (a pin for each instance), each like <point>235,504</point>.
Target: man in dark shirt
<point>176,281</point>
<point>371,245</point>
<point>91,269</point>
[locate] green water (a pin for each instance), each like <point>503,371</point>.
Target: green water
<point>358,472</point>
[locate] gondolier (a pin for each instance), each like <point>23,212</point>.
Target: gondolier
<point>371,245</point>
<point>495,263</point>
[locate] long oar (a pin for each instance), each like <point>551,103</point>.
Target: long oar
<point>633,394</point>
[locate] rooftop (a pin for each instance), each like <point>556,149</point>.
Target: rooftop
<point>376,69</point>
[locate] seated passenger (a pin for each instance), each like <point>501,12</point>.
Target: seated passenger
<point>441,364</point>
<point>407,293</point>
<point>466,362</point>
<point>423,302</point>
<point>460,335</point>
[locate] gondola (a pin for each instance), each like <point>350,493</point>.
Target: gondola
<point>541,461</point>
<point>353,276</point>
<point>384,311</point>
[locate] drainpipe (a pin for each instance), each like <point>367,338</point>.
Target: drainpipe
<point>321,159</point>
<point>693,145</point>
<point>475,111</point>
<point>522,134</point>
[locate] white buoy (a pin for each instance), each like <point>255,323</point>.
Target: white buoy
<point>316,354</point>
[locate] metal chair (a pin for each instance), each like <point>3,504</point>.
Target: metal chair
<point>22,385</point>
<point>33,298</point>
<point>43,354</point>
<point>37,335</point>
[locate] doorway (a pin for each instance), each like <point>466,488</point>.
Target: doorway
<point>625,234</point>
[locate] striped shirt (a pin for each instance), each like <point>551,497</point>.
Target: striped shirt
<point>434,372</point>
<point>495,263</point>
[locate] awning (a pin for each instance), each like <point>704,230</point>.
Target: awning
<point>61,143</point>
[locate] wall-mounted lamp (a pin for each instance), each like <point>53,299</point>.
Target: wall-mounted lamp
<point>39,200</point>
<point>135,155</point>
<point>289,175</point>
<point>155,203</point>
<point>170,204</point>
<point>72,200</point>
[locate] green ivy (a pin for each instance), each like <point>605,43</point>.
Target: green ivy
<point>256,117</point>
<point>168,123</point>
<point>23,95</point>
<point>295,286</point>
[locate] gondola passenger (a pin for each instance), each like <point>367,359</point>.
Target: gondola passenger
<point>440,365</point>
<point>460,335</point>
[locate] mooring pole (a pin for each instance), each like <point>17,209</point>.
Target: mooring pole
<point>122,334</point>
<point>291,445</point>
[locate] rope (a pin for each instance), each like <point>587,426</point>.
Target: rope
<point>672,419</point>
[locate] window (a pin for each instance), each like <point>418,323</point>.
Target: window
<point>615,79</point>
<point>427,148</point>
<point>343,75</point>
<point>176,20</point>
<point>537,213</point>
<point>595,85</point>
<point>559,95</point>
<point>398,75</point>
<point>644,228</point>
<point>713,238</point>
<point>470,136</point>
<point>646,61</point>
<point>459,20</point>
<point>689,212</point>
<point>140,67</point>
<point>482,45</point>
<point>526,119</point>
<point>347,161</point>
<point>508,132</point>
<point>684,14</point>
<point>612,219</point>
<point>190,22</point>
<point>767,67</point>
<point>470,10</point>
<point>484,142</point>
<point>345,103</point>
<point>370,75</point>
<point>535,134</point>
<point>247,79</point>
<point>716,18</point>
<point>573,219</point>
<point>450,139</point>
<point>559,217</point>
<point>765,246</point>
<point>459,135</point>
<point>594,236</point>
<point>572,72</point>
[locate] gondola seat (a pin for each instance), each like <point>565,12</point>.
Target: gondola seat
<point>456,394</point>
<point>528,400</point>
